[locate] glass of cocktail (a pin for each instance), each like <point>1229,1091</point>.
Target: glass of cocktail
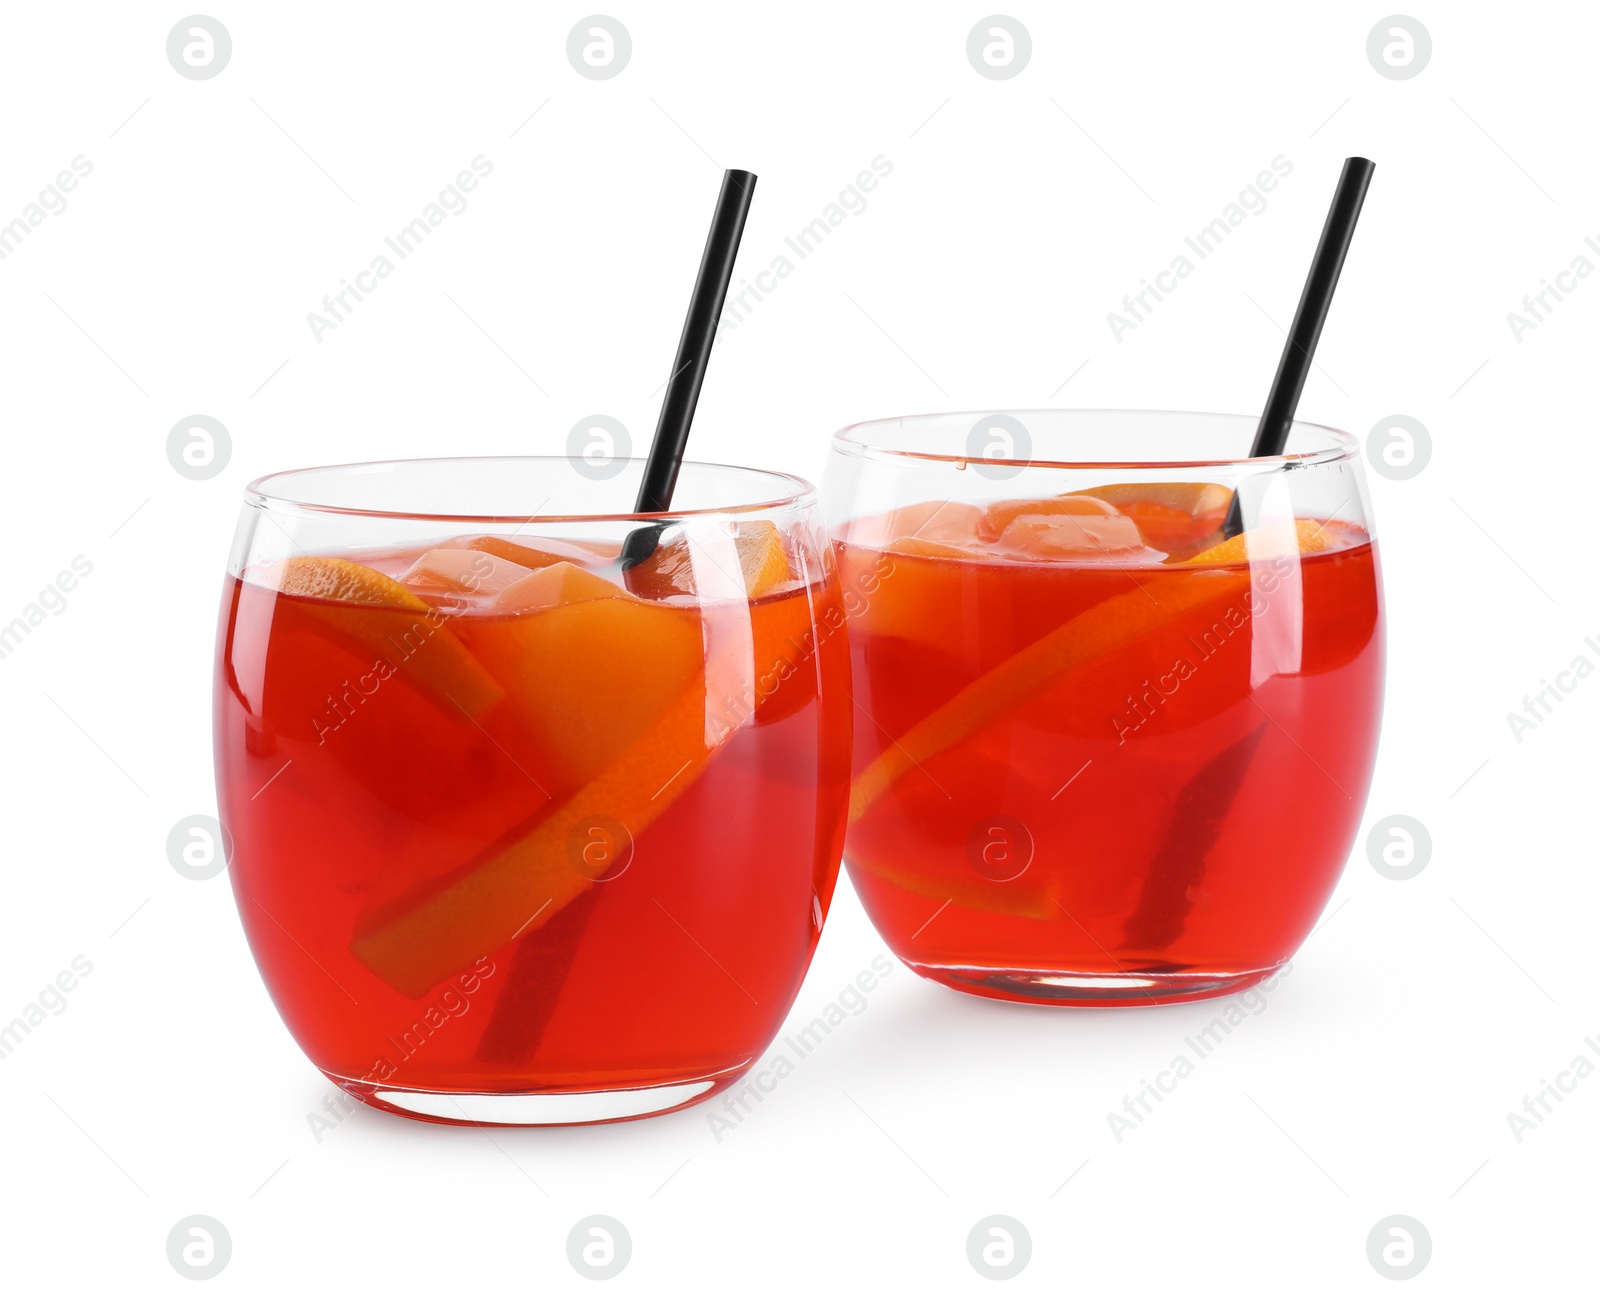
<point>518,836</point>
<point>1117,742</point>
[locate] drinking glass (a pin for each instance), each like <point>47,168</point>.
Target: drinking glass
<point>1115,747</point>
<point>520,837</point>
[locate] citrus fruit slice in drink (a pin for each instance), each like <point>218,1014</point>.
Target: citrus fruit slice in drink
<point>340,580</point>
<point>910,600</point>
<point>1176,517</point>
<point>704,564</point>
<point>1110,625</point>
<point>341,596</point>
<point>762,559</point>
<point>586,675</point>
<point>518,887</point>
<point>1274,540</point>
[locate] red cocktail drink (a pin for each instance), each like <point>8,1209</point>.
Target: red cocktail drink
<point>1113,757</point>
<point>510,823</point>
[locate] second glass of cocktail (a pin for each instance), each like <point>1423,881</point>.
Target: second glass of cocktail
<point>1116,744</point>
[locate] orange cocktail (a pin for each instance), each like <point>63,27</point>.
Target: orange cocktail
<point>512,824</point>
<point>1113,756</point>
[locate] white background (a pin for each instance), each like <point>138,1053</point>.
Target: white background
<point>1018,213</point>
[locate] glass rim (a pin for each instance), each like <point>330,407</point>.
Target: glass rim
<point>847,440</point>
<point>259,493</point>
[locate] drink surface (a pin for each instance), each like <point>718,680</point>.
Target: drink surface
<point>501,823</point>
<point>1102,745</point>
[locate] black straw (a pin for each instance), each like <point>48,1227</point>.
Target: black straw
<point>1272,433</point>
<point>541,967</point>
<point>689,365</point>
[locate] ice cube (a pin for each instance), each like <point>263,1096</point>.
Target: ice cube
<point>1050,535</point>
<point>463,572</point>
<point>999,515</point>
<point>940,522</point>
<point>544,551</point>
<point>551,586</point>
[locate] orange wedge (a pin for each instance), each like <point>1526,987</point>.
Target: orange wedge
<point>1175,517</point>
<point>519,888</point>
<point>1197,499</point>
<point>584,679</point>
<point>338,580</point>
<point>362,606</point>
<point>1275,540</point>
<point>698,565</point>
<point>1106,627</point>
<point>762,559</point>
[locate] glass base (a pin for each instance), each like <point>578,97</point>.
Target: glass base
<point>1125,989</point>
<point>537,1107</point>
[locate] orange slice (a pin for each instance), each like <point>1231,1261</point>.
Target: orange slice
<point>1274,540</point>
<point>585,678</point>
<point>520,887</point>
<point>1175,517</point>
<point>338,580</point>
<point>697,564</point>
<point>1197,499</point>
<point>358,604</point>
<point>1106,627</point>
<point>762,559</point>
